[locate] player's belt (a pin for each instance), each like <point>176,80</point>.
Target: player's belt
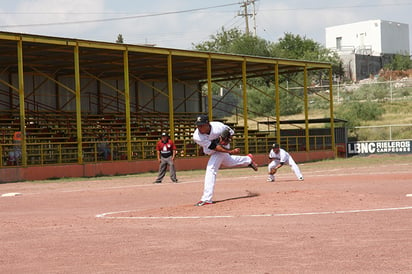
<point>166,154</point>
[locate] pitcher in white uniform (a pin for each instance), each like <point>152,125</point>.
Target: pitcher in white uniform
<point>209,135</point>
<point>281,157</point>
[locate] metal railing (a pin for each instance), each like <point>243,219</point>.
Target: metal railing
<point>383,132</point>
<point>48,153</point>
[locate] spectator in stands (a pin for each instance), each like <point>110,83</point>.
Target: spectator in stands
<point>103,147</point>
<point>166,153</point>
<point>15,154</point>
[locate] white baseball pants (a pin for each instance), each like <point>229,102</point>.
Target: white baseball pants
<point>216,160</point>
<point>290,163</point>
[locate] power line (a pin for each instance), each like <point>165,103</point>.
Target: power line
<point>156,14</point>
<point>246,14</point>
<point>116,18</point>
<point>182,11</point>
<point>342,7</point>
<point>79,12</point>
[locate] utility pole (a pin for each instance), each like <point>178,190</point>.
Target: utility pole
<point>245,13</point>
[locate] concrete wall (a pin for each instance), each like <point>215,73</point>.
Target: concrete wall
<point>15,174</point>
<point>395,38</point>
<point>361,35</point>
<point>44,94</point>
<point>373,37</point>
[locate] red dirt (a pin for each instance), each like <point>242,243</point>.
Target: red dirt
<point>52,227</point>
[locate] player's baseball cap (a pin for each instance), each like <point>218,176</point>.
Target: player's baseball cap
<point>202,120</point>
<point>276,145</point>
<point>165,134</point>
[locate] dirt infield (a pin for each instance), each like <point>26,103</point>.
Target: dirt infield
<point>348,216</point>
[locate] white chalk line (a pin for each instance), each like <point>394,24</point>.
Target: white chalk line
<point>230,179</point>
<point>107,214</point>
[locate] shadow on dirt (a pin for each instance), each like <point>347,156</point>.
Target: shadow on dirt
<point>249,194</point>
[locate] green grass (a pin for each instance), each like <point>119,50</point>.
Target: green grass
<point>396,112</point>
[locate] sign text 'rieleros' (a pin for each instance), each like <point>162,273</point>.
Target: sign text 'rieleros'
<point>379,147</point>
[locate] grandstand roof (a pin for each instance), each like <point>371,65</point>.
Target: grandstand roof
<point>55,55</point>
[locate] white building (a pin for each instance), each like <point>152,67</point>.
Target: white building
<point>366,46</point>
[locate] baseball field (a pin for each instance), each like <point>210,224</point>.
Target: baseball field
<point>347,216</point>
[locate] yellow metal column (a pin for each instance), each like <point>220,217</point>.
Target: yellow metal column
<point>127,103</point>
<point>332,120</point>
<point>171,104</point>
<point>277,103</point>
<point>305,101</point>
<point>78,105</point>
<point>245,110</point>
<point>21,102</point>
<point>209,88</point>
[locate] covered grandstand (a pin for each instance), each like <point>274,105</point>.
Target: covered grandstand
<point>68,96</point>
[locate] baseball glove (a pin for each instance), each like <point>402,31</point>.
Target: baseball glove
<point>225,137</point>
<point>273,170</point>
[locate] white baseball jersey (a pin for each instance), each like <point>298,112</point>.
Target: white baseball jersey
<point>216,159</point>
<point>205,140</point>
<point>283,156</point>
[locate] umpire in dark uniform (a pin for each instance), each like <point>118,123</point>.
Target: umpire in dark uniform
<point>166,153</point>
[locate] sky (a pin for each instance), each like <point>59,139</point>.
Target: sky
<point>182,23</point>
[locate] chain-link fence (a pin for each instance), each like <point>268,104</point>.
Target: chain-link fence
<point>372,89</point>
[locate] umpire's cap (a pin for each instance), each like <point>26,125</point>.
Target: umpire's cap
<point>202,120</point>
<point>276,145</point>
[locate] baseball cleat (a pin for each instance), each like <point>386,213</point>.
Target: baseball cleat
<point>157,182</point>
<point>270,180</point>
<point>253,164</point>
<point>202,203</point>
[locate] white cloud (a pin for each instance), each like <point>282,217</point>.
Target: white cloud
<point>174,30</point>
<point>53,11</point>
<point>180,30</point>
<point>311,19</point>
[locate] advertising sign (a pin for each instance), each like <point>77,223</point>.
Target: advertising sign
<point>379,147</point>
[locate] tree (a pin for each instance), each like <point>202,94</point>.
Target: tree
<point>300,48</point>
<point>234,41</point>
<point>120,39</point>
<point>356,112</point>
<point>261,104</point>
<point>296,47</point>
<point>220,42</point>
<point>400,62</point>
<point>290,46</point>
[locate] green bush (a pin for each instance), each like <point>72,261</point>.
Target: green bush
<point>356,112</point>
<point>405,92</point>
<point>261,103</point>
<point>369,92</point>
